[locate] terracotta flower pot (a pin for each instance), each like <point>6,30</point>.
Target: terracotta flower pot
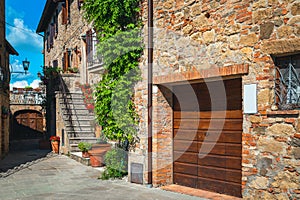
<point>55,146</point>
<point>97,160</point>
<point>85,154</point>
<point>97,154</point>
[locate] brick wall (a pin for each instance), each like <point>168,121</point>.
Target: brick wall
<point>4,94</point>
<point>198,40</point>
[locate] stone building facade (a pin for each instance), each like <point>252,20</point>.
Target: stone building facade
<point>70,46</point>
<point>69,42</point>
<point>5,50</point>
<point>239,43</point>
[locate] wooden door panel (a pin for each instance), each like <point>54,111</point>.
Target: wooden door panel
<point>188,135</point>
<point>220,174</point>
<point>205,124</point>
<point>214,185</point>
<point>221,136</point>
<point>185,157</point>
<point>185,180</point>
<point>188,146</point>
<point>220,161</point>
<point>228,114</point>
<point>186,168</point>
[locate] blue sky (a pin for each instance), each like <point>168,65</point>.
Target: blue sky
<point>23,18</point>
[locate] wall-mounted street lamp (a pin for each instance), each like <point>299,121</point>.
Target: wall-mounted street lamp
<point>25,67</point>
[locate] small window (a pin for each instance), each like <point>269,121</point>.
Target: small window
<point>55,63</point>
<point>65,12</point>
<point>52,34</point>
<point>287,82</point>
<point>48,41</point>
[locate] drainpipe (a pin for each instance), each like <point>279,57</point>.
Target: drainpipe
<point>150,84</point>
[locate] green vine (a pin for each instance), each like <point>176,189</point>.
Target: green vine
<point>118,27</point>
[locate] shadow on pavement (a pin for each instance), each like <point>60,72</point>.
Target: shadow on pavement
<point>21,152</point>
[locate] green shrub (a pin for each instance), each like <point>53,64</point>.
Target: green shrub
<point>116,164</point>
<point>84,146</point>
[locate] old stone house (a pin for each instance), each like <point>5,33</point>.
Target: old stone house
<point>70,46</point>
<point>225,98</point>
<point>5,50</point>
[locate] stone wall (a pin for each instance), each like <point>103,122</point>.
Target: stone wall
<point>271,155</point>
<point>4,93</point>
<point>69,37</point>
<point>195,38</point>
<point>2,60</point>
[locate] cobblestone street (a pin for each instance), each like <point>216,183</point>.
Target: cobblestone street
<point>59,177</point>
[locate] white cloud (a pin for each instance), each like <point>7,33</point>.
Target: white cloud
<point>16,66</point>
<point>18,84</point>
<point>22,35</point>
<point>35,83</point>
<point>23,84</point>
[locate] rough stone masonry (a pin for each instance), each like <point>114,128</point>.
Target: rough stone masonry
<point>194,36</point>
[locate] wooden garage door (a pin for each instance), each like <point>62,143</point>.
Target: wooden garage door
<point>207,137</point>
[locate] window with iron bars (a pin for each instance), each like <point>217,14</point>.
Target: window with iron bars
<point>287,82</point>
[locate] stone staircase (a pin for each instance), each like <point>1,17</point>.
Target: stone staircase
<point>79,122</point>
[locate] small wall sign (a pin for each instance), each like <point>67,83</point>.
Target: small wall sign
<point>250,98</point>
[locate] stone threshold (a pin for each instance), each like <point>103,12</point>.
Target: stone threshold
<point>198,192</point>
<point>78,157</point>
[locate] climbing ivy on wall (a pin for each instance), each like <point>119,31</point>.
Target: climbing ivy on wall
<point>118,26</point>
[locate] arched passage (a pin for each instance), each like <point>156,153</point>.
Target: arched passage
<point>26,124</point>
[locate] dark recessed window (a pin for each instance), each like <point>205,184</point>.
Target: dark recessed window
<point>287,82</point>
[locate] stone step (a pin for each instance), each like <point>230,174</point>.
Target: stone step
<point>73,106</point>
<point>79,128</point>
<point>80,118</point>
<point>78,157</point>
<point>74,148</point>
<point>80,122</point>
<point>76,112</point>
<point>81,134</point>
<point>77,140</point>
<point>71,101</point>
<point>76,107</point>
<point>70,98</point>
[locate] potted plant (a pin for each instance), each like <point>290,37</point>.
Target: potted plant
<point>73,70</point>
<point>98,152</point>
<point>84,148</point>
<point>55,140</point>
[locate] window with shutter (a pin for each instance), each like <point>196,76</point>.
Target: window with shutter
<point>65,7</point>
<point>52,34</point>
<point>89,45</point>
<point>48,41</point>
<point>55,22</point>
<point>65,61</point>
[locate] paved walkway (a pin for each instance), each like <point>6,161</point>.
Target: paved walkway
<point>59,177</point>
